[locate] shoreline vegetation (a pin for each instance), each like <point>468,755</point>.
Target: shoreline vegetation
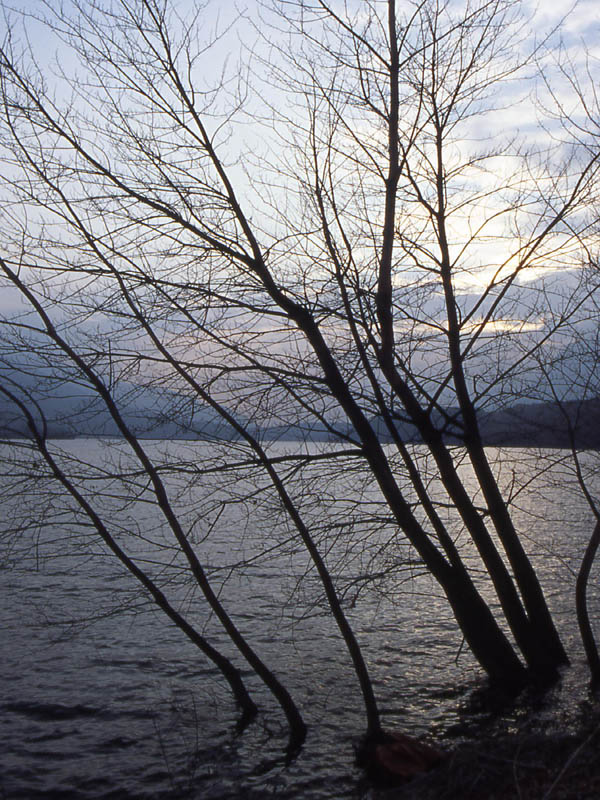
<point>512,751</point>
<point>528,766</point>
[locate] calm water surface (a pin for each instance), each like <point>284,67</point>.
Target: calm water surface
<point>102,698</point>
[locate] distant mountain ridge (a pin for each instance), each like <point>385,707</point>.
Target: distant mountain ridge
<point>75,411</point>
<point>544,425</point>
<point>526,424</point>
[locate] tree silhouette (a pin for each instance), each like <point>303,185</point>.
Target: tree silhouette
<point>354,242</point>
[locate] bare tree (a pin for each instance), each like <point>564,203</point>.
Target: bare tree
<point>384,260</point>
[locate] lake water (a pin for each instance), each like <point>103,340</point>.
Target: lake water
<point>101,697</point>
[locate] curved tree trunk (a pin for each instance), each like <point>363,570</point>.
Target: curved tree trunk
<point>583,618</point>
<point>230,673</point>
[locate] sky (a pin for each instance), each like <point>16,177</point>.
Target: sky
<point>580,33</point>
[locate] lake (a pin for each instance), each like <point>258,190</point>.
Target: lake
<point>102,697</point>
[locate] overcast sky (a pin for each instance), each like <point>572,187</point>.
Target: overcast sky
<point>579,33</point>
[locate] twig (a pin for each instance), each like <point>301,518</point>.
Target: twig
<point>569,761</point>
<point>515,775</point>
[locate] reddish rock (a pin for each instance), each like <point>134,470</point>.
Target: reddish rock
<point>399,756</point>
